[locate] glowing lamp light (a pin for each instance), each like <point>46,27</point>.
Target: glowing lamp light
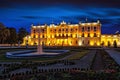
<point>88,23</point>
<point>98,44</point>
<point>29,37</point>
<point>31,43</point>
<point>38,26</point>
<point>33,26</point>
<point>91,43</point>
<point>80,43</point>
<point>85,35</point>
<point>91,35</point>
<point>83,24</point>
<point>94,23</point>
<point>42,26</point>
<point>103,36</point>
<point>76,25</point>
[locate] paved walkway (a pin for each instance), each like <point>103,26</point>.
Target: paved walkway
<point>98,64</point>
<point>115,55</point>
<point>85,62</point>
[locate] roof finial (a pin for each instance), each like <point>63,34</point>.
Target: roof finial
<point>98,21</point>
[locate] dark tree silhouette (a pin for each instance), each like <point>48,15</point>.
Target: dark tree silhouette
<point>22,32</point>
<point>12,39</point>
<point>4,33</point>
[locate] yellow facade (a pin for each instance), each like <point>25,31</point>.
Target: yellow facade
<point>82,34</point>
<point>109,40</point>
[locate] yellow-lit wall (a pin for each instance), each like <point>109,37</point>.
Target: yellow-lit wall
<point>82,34</point>
<point>109,39</point>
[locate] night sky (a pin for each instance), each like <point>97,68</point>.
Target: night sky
<point>22,13</point>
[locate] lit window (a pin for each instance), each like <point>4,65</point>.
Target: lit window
<point>33,31</point>
<point>83,35</point>
<point>95,35</point>
<point>88,42</point>
<point>88,29</point>
<point>55,35</point>
<point>43,36</point>
<point>55,30</point>
<point>71,35</point>
<point>62,35</point>
<point>76,42</point>
<point>34,36</point>
<point>59,30</point>
<point>88,34</point>
<point>95,28</point>
<point>66,35</point>
<point>66,30</point>
<point>76,35</point>
<point>82,42</point>
<point>82,29</point>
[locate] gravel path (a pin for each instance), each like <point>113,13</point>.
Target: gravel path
<point>115,55</point>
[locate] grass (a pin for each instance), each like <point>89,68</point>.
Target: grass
<point>118,50</point>
<point>78,55</point>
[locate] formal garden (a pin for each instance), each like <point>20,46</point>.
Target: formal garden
<point>24,69</point>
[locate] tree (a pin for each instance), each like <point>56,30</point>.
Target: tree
<point>115,44</point>
<point>4,33</point>
<point>12,39</point>
<point>2,26</point>
<point>22,32</point>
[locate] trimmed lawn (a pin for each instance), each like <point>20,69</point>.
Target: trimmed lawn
<point>78,55</point>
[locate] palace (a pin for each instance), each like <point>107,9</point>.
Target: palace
<point>63,34</point>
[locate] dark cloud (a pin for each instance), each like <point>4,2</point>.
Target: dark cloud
<point>79,3</point>
<point>24,12</point>
<point>31,17</point>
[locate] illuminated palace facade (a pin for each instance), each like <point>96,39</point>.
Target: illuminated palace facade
<point>82,34</point>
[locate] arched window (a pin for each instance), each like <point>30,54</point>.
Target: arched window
<point>88,29</point>
<point>95,28</point>
<point>88,34</point>
<point>95,35</point>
